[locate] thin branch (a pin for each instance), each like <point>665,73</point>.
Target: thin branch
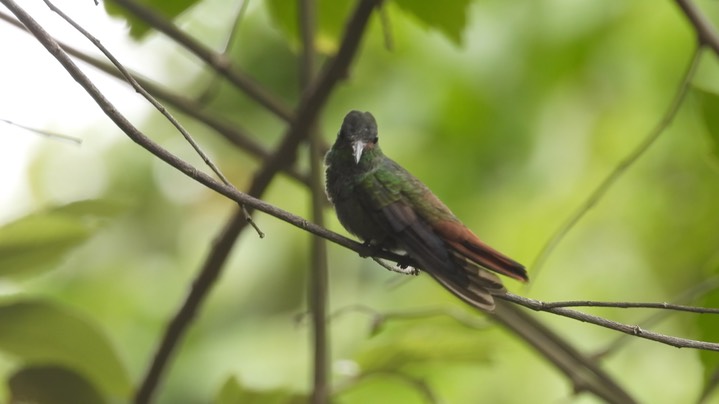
<point>386,28</point>
<point>379,318</point>
<point>621,167</point>
<point>692,294</point>
<point>612,325</point>
<point>230,131</point>
<point>214,85</point>
<point>702,26</point>
<point>631,305</point>
<point>43,132</point>
<point>217,61</point>
<point>161,108</point>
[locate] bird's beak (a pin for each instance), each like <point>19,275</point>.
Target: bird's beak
<point>357,149</point>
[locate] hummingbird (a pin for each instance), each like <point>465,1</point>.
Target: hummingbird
<point>383,204</point>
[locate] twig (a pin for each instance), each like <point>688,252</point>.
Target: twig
<point>612,325</point>
<point>621,167</point>
<point>230,131</point>
<point>130,79</point>
<point>214,85</point>
<point>702,26</point>
<point>631,305</point>
<point>386,28</point>
<point>379,318</point>
<point>43,132</point>
<point>213,59</point>
<point>690,295</point>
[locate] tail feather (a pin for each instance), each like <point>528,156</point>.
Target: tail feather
<point>466,243</point>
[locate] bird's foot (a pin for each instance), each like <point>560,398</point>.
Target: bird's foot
<point>374,249</point>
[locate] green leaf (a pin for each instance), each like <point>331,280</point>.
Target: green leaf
<point>232,392</point>
<point>38,242</point>
<point>448,17</point>
<point>331,20</point>
<point>710,113</point>
<point>42,333</point>
<point>168,9</point>
<point>52,385</point>
<point>420,342</point>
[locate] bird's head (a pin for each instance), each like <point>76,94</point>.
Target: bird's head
<point>359,131</point>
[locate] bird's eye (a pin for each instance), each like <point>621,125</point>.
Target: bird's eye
<point>375,140</point>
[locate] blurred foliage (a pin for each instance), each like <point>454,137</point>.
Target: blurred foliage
<point>40,333</point>
<point>138,29</point>
<point>710,112</point>
<point>512,112</point>
<point>37,242</point>
<point>52,385</point>
<point>232,392</point>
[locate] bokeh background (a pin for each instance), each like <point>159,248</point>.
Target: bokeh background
<point>512,112</point>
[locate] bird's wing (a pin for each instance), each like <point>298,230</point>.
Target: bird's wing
<point>387,197</point>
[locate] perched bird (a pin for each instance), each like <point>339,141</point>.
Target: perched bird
<point>386,206</point>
